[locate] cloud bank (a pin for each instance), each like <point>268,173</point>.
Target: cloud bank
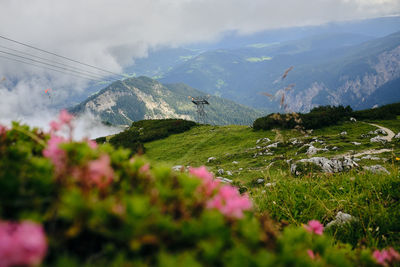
<point>111,34</point>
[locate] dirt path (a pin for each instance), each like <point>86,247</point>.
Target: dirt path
<point>388,138</point>
<point>390,133</point>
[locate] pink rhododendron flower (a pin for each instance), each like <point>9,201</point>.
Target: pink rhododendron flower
<point>208,182</point>
<point>55,126</point>
<point>311,254</point>
<point>315,227</point>
<point>145,168</point>
<point>386,257</point>
<point>3,129</point>
<point>65,117</point>
<point>92,144</point>
<point>100,172</point>
<point>229,202</point>
<point>21,244</point>
<point>54,152</point>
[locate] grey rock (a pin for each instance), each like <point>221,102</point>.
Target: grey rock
<point>229,173</point>
<point>378,139</point>
<point>224,180</point>
<point>356,159</point>
<point>240,169</point>
<point>274,145</point>
<point>370,157</point>
<point>270,184</point>
<point>312,150</point>
<point>328,165</point>
<point>353,119</point>
<point>260,181</point>
<point>376,169</point>
<point>343,133</point>
<point>397,136</point>
<point>221,171</point>
<point>235,162</point>
<point>380,131</point>
<point>177,168</point>
<point>210,159</point>
<point>356,143</point>
<point>263,140</point>
<point>341,219</point>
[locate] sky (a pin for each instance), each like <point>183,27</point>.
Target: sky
<point>111,33</point>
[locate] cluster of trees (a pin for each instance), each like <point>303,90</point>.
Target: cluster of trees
<point>146,131</point>
<point>323,116</point>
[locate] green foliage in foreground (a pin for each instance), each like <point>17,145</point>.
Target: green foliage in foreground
<point>146,216</point>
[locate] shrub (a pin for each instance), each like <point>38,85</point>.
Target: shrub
<point>98,206</point>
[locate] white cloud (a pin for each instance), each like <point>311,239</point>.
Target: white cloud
<point>110,33</point>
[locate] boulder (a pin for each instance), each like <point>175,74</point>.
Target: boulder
<point>229,173</point>
<point>397,136</point>
<point>356,143</point>
<point>178,168</point>
<point>328,165</point>
<point>376,169</point>
<point>341,219</point>
<point>260,181</point>
<point>220,171</point>
<point>380,131</point>
<point>353,119</point>
<point>210,159</point>
<point>343,133</point>
<point>378,139</point>
<point>274,145</point>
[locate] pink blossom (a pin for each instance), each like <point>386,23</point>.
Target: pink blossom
<point>311,254</point>
<point>54,152</point>
<point>208,183</point>
<point>92,144</point>
<point>3,129</point>
<point>381,257</point>
<point>65,117</point>
<point>21,244</point>
<point>386,257</point>
<point>100,172</point>
<point>145,168</point>
<point>229,202</point>
<point>55,126</point>
<point>315,227</point>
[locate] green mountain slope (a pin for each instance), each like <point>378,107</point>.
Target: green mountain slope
<point>135,99</point>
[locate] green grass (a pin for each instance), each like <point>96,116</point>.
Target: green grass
<point>371,198</point>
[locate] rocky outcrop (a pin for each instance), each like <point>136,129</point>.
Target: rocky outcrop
<point>327,165</point>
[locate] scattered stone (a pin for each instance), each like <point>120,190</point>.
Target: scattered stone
<point>228,173</point>
<point>356,159</point>
<point>328,165</point>
<point>260,181</point>
<point>210,159</point>
<point>376,169</point>
<point>370,132</point>
<point>397,136</point>
<point>274,145</point>
<point>365,136</point>
<point>269,153</point>
<point>335,148</point>
<point>380,131</point>
<point>312,150</point>
<point>240,169</point>
<point>224,180</point>
<point>258,147</point>
<point>343,133</point>
<point>370,157</point>
<point>177,168</point>
<point>220,171</point>
<point>270,184</point>
<point>378,139</point>
<point>235,162</point>
<point>353,119</point>
<point>341,219</point>
<point>263,140</point>
<point>356,143</point>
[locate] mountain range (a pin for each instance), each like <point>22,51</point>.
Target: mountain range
<point>349,63</point>
<point>133,99</point>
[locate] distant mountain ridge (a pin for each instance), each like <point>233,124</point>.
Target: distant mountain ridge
<point>140,98</point>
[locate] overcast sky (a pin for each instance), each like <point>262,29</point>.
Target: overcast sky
<point>110,33</point>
